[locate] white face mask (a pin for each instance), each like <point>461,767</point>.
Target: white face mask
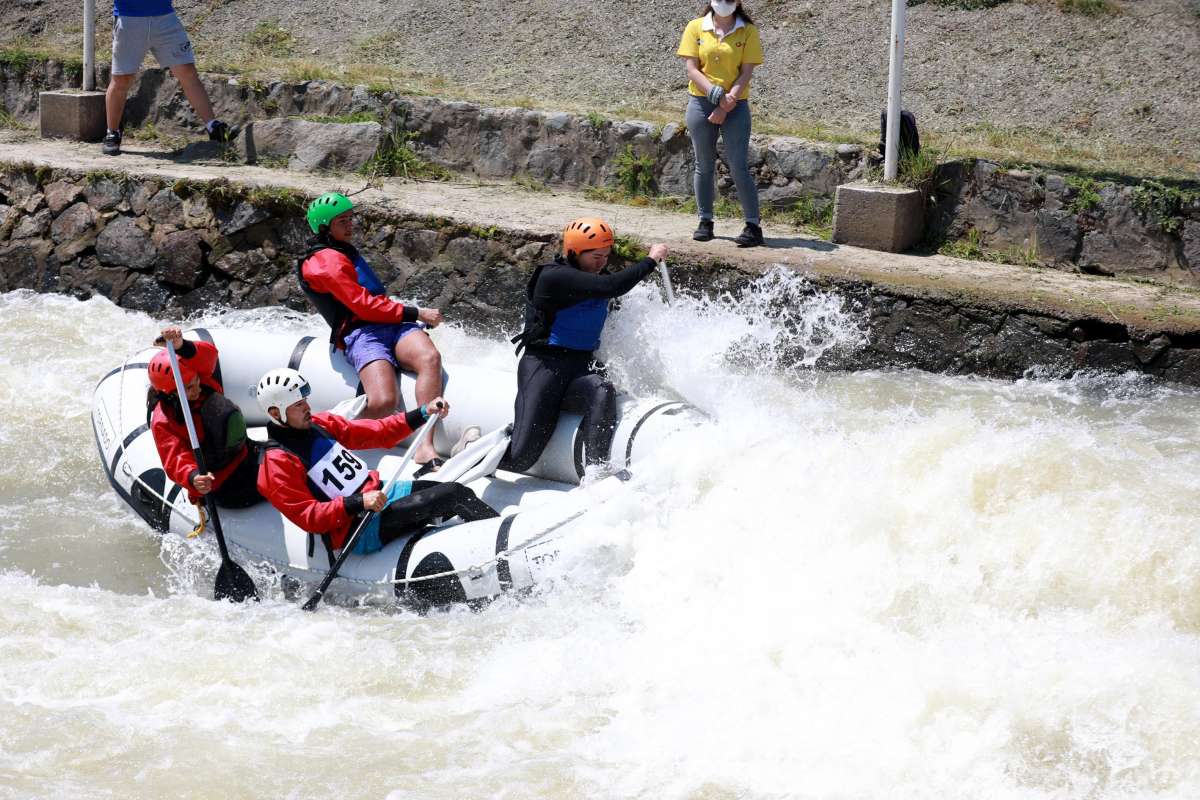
<point>724,8</point>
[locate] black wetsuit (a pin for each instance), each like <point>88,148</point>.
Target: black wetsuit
<point>430,499</point>
<point>565,313</point>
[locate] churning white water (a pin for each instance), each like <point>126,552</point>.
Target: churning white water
<point>850,586</point>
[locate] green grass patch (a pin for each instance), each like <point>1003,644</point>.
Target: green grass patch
<point>9,122</point>
<point>629,248</point>
<point>809,213</point>
<point>268,38</point>
<point>151,134</point>
<point>635,174</point>
<point>596,119</point>
<point>1090,8</point>
<point>21,56</point>
<point>279,200</point>
<point>397,159</point>
<point>39,173</point>
<point>530,183</point>
<point>969,247</point>
<point>342,119</point>
<point>19,59</point>
<point>272,162</point>
<point>914,170</point>
<point>1163,205</point>
<point>1087,194</point>
<point>97,175</point>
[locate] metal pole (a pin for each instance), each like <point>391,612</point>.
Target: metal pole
<point>89,45</point>
<point>895,73</point>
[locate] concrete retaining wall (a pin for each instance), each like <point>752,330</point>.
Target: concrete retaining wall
<point>176,248</point>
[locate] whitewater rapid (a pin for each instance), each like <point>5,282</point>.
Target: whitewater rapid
<point>863,585</point>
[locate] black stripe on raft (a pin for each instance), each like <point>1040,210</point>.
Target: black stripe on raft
<point>122,368</point>
<point>133,434</point>
<point>298,352</point>
<point>577,455</point>
<point>402,562</point>
<point>503,571</point>
<point>108,472</point>
<point>169,506</point>
<point>633,434</point>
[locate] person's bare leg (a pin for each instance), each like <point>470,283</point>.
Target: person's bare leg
<point>379,382</point>
<point>417,353</point>
<point>193,90</point>
<point>114,99</point>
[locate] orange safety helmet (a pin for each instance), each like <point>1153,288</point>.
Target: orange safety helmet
<point>586,233</point>
<point>161,377</point>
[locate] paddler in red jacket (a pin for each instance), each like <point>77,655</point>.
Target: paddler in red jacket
<point>378,335</point>
<point>230,457</point>
<point>311,476</point>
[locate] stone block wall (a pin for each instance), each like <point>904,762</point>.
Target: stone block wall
<point>174,249</point>
<point>177,248</point>
<point>1040,217</point>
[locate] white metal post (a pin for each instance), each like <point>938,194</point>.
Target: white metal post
<point>895,73</point>
<point>89,45</point>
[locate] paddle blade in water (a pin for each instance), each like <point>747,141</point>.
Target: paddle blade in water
<point>234,584</point>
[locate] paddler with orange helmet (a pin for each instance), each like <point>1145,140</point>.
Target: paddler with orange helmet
<point>567,303</point>
<point>230,456</point>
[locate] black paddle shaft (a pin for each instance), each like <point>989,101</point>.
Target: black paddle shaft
<point>347,549</point>
<point>232,582</point>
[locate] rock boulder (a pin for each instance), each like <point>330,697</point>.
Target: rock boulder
<point>312,145</point>
<point>123,243</point>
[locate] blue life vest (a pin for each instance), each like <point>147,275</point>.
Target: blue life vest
<point>367,277</point>
<point>578,327</point>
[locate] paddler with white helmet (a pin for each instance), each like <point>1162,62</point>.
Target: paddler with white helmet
<point>311,475</point>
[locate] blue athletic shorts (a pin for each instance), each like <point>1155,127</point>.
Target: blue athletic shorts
<point>377,342</point>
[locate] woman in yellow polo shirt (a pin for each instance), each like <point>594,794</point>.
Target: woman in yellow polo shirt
<point>721,48</point>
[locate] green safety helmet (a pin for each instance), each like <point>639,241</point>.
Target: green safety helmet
<point>329,205</point>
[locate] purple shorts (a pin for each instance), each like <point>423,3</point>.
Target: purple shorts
<point>375,342</point>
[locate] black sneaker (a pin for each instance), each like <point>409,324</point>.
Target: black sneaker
<point>222,133</point>
<point>112,143</point>
<point>751,236</point>
<point>704,232</point>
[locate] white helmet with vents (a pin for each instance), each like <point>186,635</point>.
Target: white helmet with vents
<point>279,389</point>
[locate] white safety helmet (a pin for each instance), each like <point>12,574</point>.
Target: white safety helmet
<point>279,388</point>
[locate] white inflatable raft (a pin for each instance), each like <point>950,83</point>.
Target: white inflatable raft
<point>450,563</point>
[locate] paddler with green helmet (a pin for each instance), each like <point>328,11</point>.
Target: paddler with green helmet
<point>377,335</point>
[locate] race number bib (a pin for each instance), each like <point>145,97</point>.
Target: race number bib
<point>340,473</point>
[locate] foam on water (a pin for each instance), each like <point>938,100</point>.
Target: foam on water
<point>849,586</point>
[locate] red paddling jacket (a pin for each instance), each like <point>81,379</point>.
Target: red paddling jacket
<point>223,452</point>
<point>345,290</point>
<point>311,477</point>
